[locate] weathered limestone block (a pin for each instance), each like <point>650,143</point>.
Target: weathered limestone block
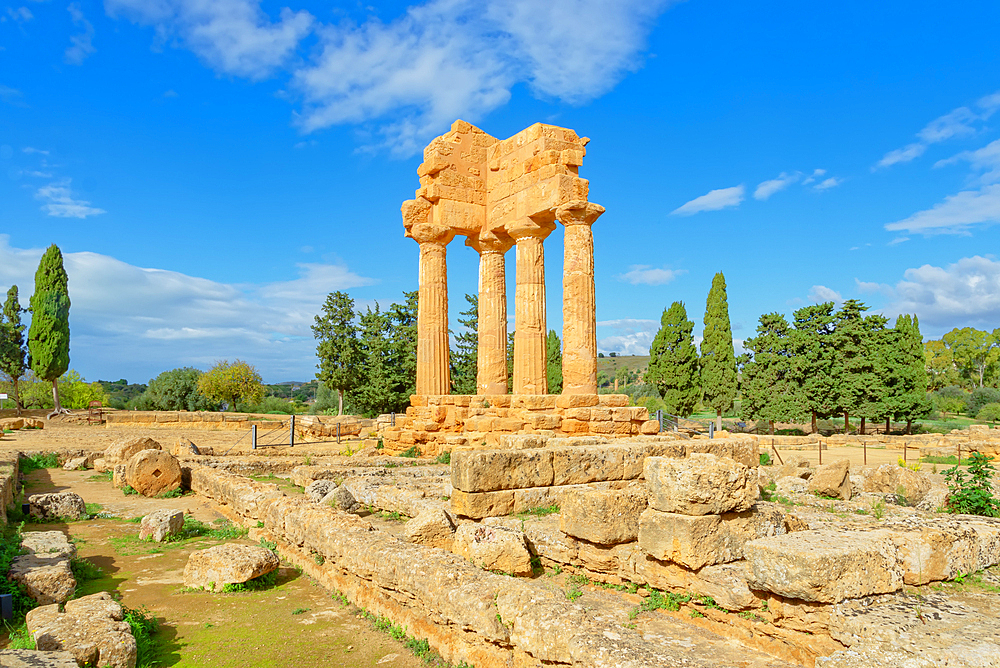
<point>433,527</point>
<point>318,489</point>
<point>703,540</point>
<point>701,484</point>
<point>153,472</point>
<point>988,536</point>
<point>32,658</point>
<point>184,447</point>
<point>122,450</point>
<point>576,465</point>
<point>792,485</point>
<point>743,450</point>
<point>91,629</point>
<point>832,480</point>
<point>606,517</point>
<point>493,548</point>
<point>931,551</point>
<point>492,470</point>
<point>482,504</point>
<point>56,505</point>
<point>75,464</point>
<point>892,479</point>
<point>161,524</point>
<point>218,566</point>
<point>824,565</point>
<point>44,568</point>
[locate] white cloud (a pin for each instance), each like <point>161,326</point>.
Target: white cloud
<point>812,177</point>
<point>230,36</point>
<point>768,188</point>
<point>20,14</point>
<point>966,293</point>
<point>641,274</point>
<point>412,76</point>
<point>59,201</point>
<point>986,159</point>
<point>81,44</point>
<point>831,182</point>
<point>897,241</point>
<point>713,201</point>
<point>955,214</point>
<point>11,96</point>
<point>30,150</point>
<point>821,293</point>
<point>631,336</point>
<point>960,122</point>
<point>137,321</point>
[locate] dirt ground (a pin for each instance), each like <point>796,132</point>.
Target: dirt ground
<point>295,623</point>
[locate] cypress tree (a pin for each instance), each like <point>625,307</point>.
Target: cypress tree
<point>13,352</point>
<point>510,362</point>
<point>553,363</point>
<point>673,362</point>
<point>718,359</point>
<point>812,346</point>
<point>374,392</point>
<point>852,366</point>
<point>883,393</point>
<point>914,402</point>
<point>771,389</point>
<point>403,334</point>
<point>48,336</point>
<point>337,350</point>
<point>464,361</point>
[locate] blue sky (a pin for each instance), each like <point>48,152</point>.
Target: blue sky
<point>213,168</point>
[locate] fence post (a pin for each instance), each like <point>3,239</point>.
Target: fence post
<point>865,446</point>
<point>338,433</point>
<point>659,418</point>
<point>904,452</point>
<point>393,417</point>
<point>820,447</point>
<point>711,430</point>
<point>253,437</point>
<point>291,433</point>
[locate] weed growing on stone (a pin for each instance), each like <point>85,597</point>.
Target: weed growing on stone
<point>444,458</point>
<point>299,611</point>
<point>129,490</point>
<point>341,598</point>
<point>696,613</point>
<point>19,637</point>
<point>172,494</point>
<point>765,459</point>
<point>658,600</point>
<point>574,592</point>
<point>972,495</point>
<point>753,617</point>
<point>878,509</point>
<point>144,626</point>
<point>269,544</point>
<point>319,559</point>
<point>46,460</point>
<point>308,461</point>
<point>104,476</point>
<point>412,452</point>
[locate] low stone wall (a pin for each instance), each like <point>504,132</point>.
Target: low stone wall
<point>436,423</point>
<point>491,483</point>
<point>9,470</point>
<point>976,438</point>
<point>306,426</point>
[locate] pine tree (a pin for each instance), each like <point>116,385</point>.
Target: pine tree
<point>673,362</point>
<point>718,359</point>
<point>403,337</point>
<point>771,390</point>
<point>13,352</point>
<point>337,349</point>
<point>510,362</point>
<point>48,336</point>
<point>852,366</point>
<point>464,360</point>
<point>812,346</point>
<point>553,363</point>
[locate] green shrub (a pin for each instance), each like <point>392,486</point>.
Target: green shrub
<point>444,458</point>
<point>413,451</point>
<point>765,459</point>
<point>20,638</point>
<point>129,490</point>
<point>10,547</point>
<point>989,413</point>
<point>972,495</point>
<point>47,460</point>
<point>84,570</point>
<point>980,398</point>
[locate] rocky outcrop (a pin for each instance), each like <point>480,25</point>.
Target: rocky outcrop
<point>214,568</point>
<point>160,525</point>
<point>91,629</point>
<point>44,568</point>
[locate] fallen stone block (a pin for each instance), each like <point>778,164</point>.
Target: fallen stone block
<point>56,505</point>
<point>482,504</point>
<point>701,484</point>
<point>214,568</point>
<point>493,548</point>
<point>44,568</point>
<point>824,565</point>
<point>185,448</point>
<point>153,472</point>
<point>832,480</point>
<point>433,527</point>
<point>122,450</point>
<point>318,489</point>
<point>161,524</point>
<point>606,517</point>
<point>33,658</point>
<point>91,629</point>
<point>75,464</point>
<point>894,479</point>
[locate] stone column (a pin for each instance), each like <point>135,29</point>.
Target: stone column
<point>491,371</point>
<point>433,375</point>
<point>579,305</point>
<point>529,310</point>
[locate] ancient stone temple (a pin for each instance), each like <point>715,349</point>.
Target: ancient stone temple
<point>503,194</point>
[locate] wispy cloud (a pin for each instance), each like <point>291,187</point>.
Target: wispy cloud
<point>713,201</point>
<point>965,293</point>
<point>768,188</point>
<point>820,293</point>
<point>11,96</point>
<point>831,182</point>
<point>630,336</point>
<point>140,321</point>
<point>405,80</point>
<point>956,214</point>
<point>641,274</point>
<point>817,173</point>
<point>60,203</point>
<point>986,159</point>
<point>961,122</point>
<point>19,14</point>
<point>31,150</point>
<point>81,44</point>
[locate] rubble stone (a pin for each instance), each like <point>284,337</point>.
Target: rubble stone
<point>44,568</point>
<point>218,566</point>
<point>91,629</point>
<point>832,480</point>
<point>56,505</point>
<point>433,527</point>
<point>493,548</point>
<point>161,524</point>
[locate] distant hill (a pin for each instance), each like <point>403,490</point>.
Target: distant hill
<point>610,365</point>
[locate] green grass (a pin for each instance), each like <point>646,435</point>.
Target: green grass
<point>10,547</point>
<point>129,490</point>
<point>259,583</point>
<point>541,511</point>
<point>412,452</point>
<point>85,570</point>
<point>105,476</point>
<point>658,600</point>
<point>19,637</point>
<point>48,460</point>
<point>172,494</point>
<point>950,459</point>
<point>144,626</point>
<point>444,458</point>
